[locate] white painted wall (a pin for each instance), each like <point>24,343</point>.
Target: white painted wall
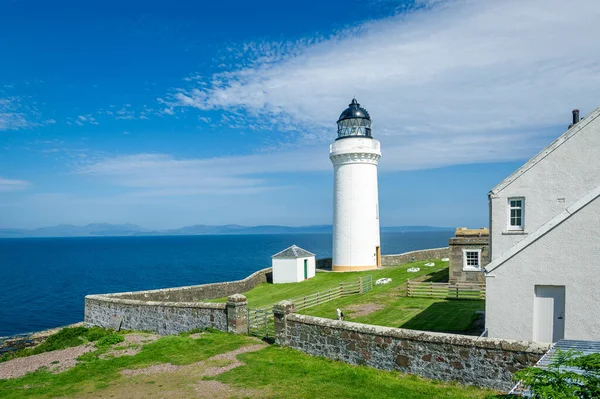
<point>568,255</point>
<point>356,202</point>
<point>292,270</point>
<point>567,171</point>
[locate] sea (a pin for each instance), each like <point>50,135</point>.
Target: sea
<point>43,281</point>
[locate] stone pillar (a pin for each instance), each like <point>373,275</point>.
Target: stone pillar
<point>237,314</point>
<point>280,311</point>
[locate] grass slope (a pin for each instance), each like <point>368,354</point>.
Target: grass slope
<point>292,374</point>
<point>273,372</point>
<point>94,374</point>
<point>397,310</point>
<point>267,294</point>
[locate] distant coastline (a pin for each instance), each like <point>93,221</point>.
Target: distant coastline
<point>127,230</point>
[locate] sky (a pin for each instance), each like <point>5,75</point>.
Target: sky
<point>166,114</point>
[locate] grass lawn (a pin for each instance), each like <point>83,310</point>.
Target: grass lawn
<point>267,294</point>
<point>93,374</point>
<point>291,374</point>
<point>385,305</point>
<point>271,372</point>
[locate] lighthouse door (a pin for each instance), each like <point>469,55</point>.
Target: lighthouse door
<point>378,255</point>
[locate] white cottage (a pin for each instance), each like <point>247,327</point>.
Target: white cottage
<point>293,265</point>
<point>543,281</point>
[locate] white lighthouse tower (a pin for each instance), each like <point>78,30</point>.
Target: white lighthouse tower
<point>355,154</point>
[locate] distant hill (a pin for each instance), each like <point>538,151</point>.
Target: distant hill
<point>107,230</point>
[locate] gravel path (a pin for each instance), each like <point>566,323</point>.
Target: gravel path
<point>56,361</point>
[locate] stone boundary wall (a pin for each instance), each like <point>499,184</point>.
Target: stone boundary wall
<point>469,360</point>
<point>420,255</point>
<point>202,292</point>
<point>398,259</point>
<point>166,318</point>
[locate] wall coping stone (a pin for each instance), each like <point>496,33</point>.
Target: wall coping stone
<point>284,307</point>
<point>426,336</point>
<point>137,302</point>
<point>237,298</point>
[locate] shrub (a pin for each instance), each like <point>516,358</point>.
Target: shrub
<point>95,333</point>
<point>65,338</point>
<point>108,340</point>
<point>559,380</point>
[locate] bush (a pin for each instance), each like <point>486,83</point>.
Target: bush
<point>95,333</point>
<point>65,338</point>
<point>108,340</point>
<point>559,380</point>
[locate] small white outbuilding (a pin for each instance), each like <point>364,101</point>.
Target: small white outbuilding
<point>293,265</point>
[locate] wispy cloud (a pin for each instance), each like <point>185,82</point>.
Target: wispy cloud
<point>470,81</point>
<point>15,114</point>
<point>82,120</point>
<point>13,185</point>
<point>127,112</point>
<point>164,175</point>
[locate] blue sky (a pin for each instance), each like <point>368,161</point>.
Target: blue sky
<point>167,114</point>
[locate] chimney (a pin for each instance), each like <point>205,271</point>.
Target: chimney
<point>575,118</point>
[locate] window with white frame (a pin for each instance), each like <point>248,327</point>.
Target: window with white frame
<point>472,259</point>
<point>516,213</point>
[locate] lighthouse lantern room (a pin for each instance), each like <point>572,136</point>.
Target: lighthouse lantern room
<point>355,155</point>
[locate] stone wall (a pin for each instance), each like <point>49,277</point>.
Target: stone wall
<point>421,255</point>
<point>469,360</point>
<point>398,259</point>
<point>324,263</point>
<point>165,318</point>
<point>202,292</point>
<point>457,244</point>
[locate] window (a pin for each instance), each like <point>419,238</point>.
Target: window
<point>516,217</point>
<point>472,259</point>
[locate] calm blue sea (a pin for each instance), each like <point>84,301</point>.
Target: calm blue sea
<point>43,281</point>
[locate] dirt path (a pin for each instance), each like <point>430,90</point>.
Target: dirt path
<point>171,381</point>
<point>55,361</point>
<point>230,357</point>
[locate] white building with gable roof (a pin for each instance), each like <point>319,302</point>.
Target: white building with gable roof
<point>293,265</point>
<point>543,281</point>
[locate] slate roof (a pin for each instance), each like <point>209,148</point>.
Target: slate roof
<point>293,252</point>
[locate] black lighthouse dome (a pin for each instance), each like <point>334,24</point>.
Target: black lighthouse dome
<point>354,122</point>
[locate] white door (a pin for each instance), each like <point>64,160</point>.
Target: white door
<point>549,313</point>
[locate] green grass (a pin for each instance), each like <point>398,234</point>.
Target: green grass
<point>397,309</point>
<point>267,294</point>
<point>288,373</point>
<point>94,373</point>
<point>413,313</point>
<point>273,372</point>
<point>65,338</point>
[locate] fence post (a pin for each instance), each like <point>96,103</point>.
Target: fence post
<point>407,287</point>
<point>341,289</point>
<point>360,285</point>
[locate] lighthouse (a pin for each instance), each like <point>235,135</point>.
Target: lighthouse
<point>355,155</point>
